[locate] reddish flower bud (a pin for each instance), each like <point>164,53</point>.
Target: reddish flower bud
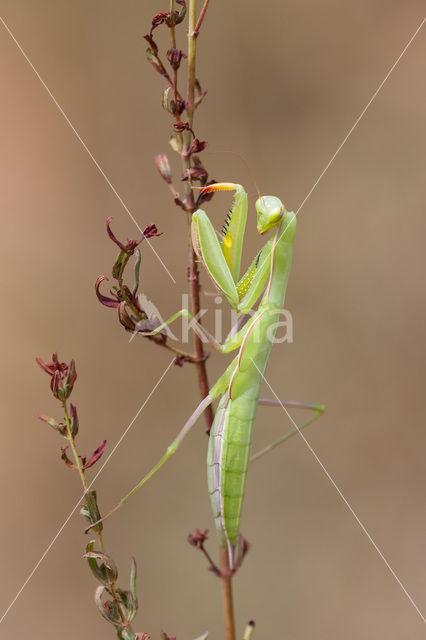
<point>130,246</point>
<point>74,420</point>
<point>195,173</point>
<point>177,107</point>
<point>152,44</point>
<point>179,361</point>
<point>70,379</point>
<point>159,18</point>
<point>54,384</point>
<point>198,538</point>
<point>124,318</point>
<point>163,166</point>
<point>197,146</point>
<point>63,376</point>
<point>67,461</point>
<point>98,452</point>
<point>108,302</point>
<point>151,231</point>
<point>54,365</point>
<point>174,56</point>
<point>181,126</point>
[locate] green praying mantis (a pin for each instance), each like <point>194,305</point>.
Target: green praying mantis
<point>253,336</point>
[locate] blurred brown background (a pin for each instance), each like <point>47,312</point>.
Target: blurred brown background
<point>286,81</point>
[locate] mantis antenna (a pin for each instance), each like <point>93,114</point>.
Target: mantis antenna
<point>247,166</point>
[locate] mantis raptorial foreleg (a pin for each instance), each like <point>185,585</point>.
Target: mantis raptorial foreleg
<point>222,259</point>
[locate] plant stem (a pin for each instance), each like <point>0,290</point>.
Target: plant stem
<point>193,27</point>
<point>228,602</point>
<point>193,269</point>
<point>203,382</point>
<point>172,29</point>
<point>191,59</point>
<point>78,463</point>
<point>201,18</point>
<point>70,439</point>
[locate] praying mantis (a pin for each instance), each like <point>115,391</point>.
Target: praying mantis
<point>239,387</point>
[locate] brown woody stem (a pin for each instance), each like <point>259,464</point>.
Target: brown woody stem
<point>193,28</point>
<point>228,602</point>
<point>194,276</point>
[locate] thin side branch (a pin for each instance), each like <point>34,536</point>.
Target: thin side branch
<point>201,18</point>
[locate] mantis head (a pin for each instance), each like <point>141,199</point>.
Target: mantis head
<point>270,212</point>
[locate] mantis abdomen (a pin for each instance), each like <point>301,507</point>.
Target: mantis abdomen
<point>231,434</point>
<point>227,463</point>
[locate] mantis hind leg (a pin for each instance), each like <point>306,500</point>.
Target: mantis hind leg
<point>171,449</point>
<point>272,402</point>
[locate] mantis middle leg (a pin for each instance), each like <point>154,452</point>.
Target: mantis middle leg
<point>272,402</point>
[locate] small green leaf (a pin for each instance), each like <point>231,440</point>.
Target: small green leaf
<point>91,512</point>
<point>105,612</point>
<point>166,99</point>
<point>176,17</point>
<point>156,62</point>
<point>136,271</point>
<point>120,264</point>
<point>127,602</point>
<point>106,571</point>
<point>175,144</point>
<point>128,634</point>
<point>50,421</point>
<point>133,571</point>
<point>84,511</point>
<point>92,562</point>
